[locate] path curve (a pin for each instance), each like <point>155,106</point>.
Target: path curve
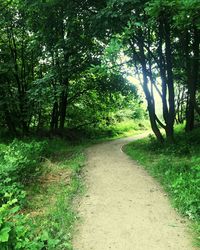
<point>125,208</point>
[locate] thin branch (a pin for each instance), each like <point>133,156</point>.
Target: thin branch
<point>159,122</point>
<point>152,55</point>
<point>84,124</point>
<point>154,84</point>
<point>197,108</point>
<point>121,64</point>
<point>78,94</point>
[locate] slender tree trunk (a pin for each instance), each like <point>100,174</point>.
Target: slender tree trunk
<point>197,108</point>
<point>165,67</point>
<point>39,125</point>
<point>9,122</point>
<point>20,87</point>
<point>163,73</point>
<point>192,75</point>
<point>65,77</point>
<point>150,101</point>
<point>180,105</point>
<point>54,117</point>
<point>63,106</point>
<point>170,85</point>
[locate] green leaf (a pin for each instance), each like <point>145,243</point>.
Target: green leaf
<point>4,234</point>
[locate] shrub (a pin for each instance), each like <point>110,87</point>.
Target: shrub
<point>21,160</point>
<point>16,232</point>
<point>20,164</point>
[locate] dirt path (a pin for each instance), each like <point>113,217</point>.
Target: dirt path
<point>124,208</point>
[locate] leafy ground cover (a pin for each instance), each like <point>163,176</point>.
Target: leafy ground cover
<point>20,163</point>
<point>38,181</point>
<point>177,167</point>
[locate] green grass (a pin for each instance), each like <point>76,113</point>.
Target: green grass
<point>117,130</point>
<point>177,167</point>
<point>130,127</point>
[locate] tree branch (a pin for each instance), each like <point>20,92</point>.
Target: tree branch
<point>159,122</point>
<point>78,94</point>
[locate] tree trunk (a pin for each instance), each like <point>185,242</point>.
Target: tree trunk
<point>63,108</point>
<point>163,73</point>
<point>170,85</point>
<point>9,122</point>
<point>54,117</point>
<point>149,97</point>
<point>192,75</point>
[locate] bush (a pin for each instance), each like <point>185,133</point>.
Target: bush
<point>21,160</point>
<point>10,189</point>
<point>20,164</point>
<point>16,232</point>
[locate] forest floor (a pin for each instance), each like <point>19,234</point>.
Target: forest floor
<point>124,208</point>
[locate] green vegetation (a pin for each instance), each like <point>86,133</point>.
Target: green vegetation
<point>117,130</point>
<point>177,167</point>
<point>65,70</point>
<point>20,161</point>
<point>77,77</point>
<point>50,200</point>
<point>38,183</point>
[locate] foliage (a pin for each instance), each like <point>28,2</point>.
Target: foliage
<point>47,82</point>
<point>151,35</point>
<point>16,231</point>
<point>20,160</point>
<point>22,167</point>
<point>19,165</point>
<point>65,162</point>
<point>64,68</point>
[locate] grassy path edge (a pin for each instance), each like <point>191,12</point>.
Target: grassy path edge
<point>152,160</point>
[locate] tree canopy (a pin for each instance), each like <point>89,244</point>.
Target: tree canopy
<point>60,62</point>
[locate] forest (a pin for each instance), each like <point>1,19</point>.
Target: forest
<point>77,73</point>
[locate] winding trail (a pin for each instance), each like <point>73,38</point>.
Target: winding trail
<point>125,208</point>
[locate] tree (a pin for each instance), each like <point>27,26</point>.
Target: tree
<point>152,34</point>
<point>51,63</point>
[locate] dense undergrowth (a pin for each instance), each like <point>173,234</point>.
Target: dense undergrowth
<point>38,181</point>
<point>177,167</point>
<point>126,127</point>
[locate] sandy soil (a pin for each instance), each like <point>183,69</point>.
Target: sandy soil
<point>125,208</point>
